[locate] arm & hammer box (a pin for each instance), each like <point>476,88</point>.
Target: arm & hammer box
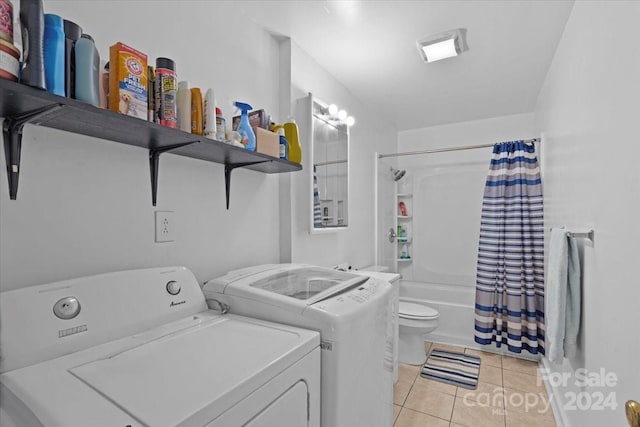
<point>128,81</point>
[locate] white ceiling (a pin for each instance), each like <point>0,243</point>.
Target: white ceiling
<point>370,47</point>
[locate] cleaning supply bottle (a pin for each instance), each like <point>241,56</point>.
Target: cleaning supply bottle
<point>53,53</point>
<point>291,133</point>
<point>284,149</point>
<point>87,69</point>
<point>166,88</point>
<point>248,138</point>
<point>32,23</point>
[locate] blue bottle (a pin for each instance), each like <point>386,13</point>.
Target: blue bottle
<point>54,44</point>
<point>87,70</point>
<point>248,138</point>
<point>284,145</point>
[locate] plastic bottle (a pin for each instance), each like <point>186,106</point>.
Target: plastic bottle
<point>151,94</point>
<point>220,126</point>
<point>32,22</point>
<point>166,88</point>
<point>103,89</point>
<point>87,67</point>
<point>405,252</point>
<point>72,33</point>
<point>284,145</point>
<point>54,54</point>
<point>291,132</point>
<point>209,123</point>
<point>248,138</point>
<point>196,111</point>
<point>184,106</point>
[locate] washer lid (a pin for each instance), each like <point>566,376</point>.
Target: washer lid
<point>410,310</point>
<point>289,286</point>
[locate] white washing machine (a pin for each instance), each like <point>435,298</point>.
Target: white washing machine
<point>353,315</point>
<point>382,273</point>
<point>140,348</point>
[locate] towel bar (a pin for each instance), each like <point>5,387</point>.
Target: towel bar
<point>590,235</point>
<point>587,235</point>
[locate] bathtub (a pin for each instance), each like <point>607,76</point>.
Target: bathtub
<point>455,303</point>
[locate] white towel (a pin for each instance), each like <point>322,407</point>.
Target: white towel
<point>562,296</point>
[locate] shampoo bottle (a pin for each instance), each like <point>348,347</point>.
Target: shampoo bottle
<point>184,106</point>
<point>220,126</point>
<point>53,53</point>
<point>196,111</point>
<point>32,22</point>
<point>72,33</point>
<point>209,125</point>
<point>247,137</point>
<point>87,70</point>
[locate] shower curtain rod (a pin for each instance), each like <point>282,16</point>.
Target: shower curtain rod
<point>442,150</point>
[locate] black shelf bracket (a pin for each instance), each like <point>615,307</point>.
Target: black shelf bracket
<point>154,165</point>
<point>12,134</point>
<point>228,168</point>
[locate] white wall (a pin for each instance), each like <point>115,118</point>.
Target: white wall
<point>371,133</point>
<point>588,111</point>
<point>447,193</point>
<point>84,205</point>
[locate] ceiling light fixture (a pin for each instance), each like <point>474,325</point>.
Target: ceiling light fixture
<point>443,45</point>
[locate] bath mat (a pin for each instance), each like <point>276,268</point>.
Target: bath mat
<point>451,367</point>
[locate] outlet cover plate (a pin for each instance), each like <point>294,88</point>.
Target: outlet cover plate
<point>165,226</point>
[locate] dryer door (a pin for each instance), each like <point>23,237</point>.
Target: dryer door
<point>290,409</point>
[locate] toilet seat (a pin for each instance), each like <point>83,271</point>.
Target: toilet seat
<point>409,310</point>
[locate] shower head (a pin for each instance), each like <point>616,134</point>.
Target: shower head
<point>397,174</point>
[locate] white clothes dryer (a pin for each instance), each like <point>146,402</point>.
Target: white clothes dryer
<point>140,348</point>
<point>353,314</point>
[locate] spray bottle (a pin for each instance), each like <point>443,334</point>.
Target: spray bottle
<point>248,138</point>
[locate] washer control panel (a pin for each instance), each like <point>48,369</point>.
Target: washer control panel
<point>66,308</point>
<point>363,293</point>
<point>173,287</point>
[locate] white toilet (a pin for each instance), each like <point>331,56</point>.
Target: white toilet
<point>416,319</point>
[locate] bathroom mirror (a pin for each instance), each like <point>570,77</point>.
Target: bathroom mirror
<point>330,167</point>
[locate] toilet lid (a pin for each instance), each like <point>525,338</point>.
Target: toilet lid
<point>410,310</point>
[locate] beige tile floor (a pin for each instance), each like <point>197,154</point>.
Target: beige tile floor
<point>509,394</point>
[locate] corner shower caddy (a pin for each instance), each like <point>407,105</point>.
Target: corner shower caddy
<point>406,219</point>
<point>21,104</point>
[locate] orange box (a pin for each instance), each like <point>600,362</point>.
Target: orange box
<point>267,142</point>
<point>128,81</point>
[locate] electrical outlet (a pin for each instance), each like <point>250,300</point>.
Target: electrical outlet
<point>165,226</point>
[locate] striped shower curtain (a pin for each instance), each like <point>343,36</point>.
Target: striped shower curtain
<point>510,275</point>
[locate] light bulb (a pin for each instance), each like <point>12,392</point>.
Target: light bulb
<point>333,108</point>
<point>351,121</point>
<point>342,115</point>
